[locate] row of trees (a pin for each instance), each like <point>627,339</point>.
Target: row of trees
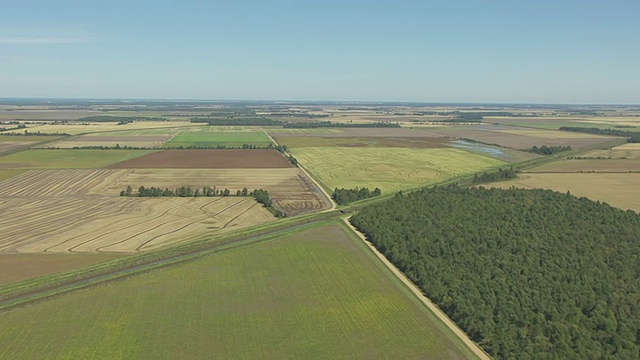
<point>500,175</point>
<point>260,195</point>
<point>526,273</point>
<point>347,196</point>
<point>548,150</point>
<point>329,124</point>
<point>632,136</point>
<point>237,121</point>
<point>119,119</point>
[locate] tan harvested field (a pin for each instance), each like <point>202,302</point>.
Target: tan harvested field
<point>207,159</point>
<point>619,190</point>
<point>625,151</point>
<point>352,132</point>
<point>8,145</point>
<point>520,138</point>
<point>17,267</point>
<point>590,165</point>
<point>290,189</point>
<point>396,142</point>
<point>76,129</point>
<point>119,224</point>
<point>140,141</point>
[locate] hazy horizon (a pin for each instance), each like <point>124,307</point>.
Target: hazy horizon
<point>468,52</point>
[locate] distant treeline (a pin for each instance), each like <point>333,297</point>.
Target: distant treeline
<point>240,121</point>
<point>501,174</point>
<point>347,196</point>
<point>632,136</point>
<point>548,150</point>
<point>264,121</point>
<point>37,133</point>
<point>119,119</point>
<point>260,195</point>
<point>329,124</point>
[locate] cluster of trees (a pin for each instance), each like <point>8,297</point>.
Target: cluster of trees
<point>521,271</point>
<point>329,124</point>
<point>220,146</point>
<point>119,119</point>
<point>632,136</point>
<point>548,150</point>
<point>347,196</point>
<point>501,174</point>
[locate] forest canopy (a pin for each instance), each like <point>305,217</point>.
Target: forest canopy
<point>521,271</point>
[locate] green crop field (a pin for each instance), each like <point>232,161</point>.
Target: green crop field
<point>317,293</point>
<point>67,159</point>
<point>205,137</point>
<point>390,169</point>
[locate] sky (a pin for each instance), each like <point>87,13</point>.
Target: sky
<point>496,51</point>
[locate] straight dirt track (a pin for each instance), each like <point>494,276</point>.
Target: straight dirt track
<point>207,159</point>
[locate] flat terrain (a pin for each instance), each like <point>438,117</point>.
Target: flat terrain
<point>401,142</point>
<point>619,190</point>
<point>141,141</point>
<point>213,136</point>
<point>67,159</point>
<point>207,159</point>
<point>119,224</point>
<point>518,138</point>
<point>314,294</point>
<point>76,129</point>
<point>390,169</point>
<point>590,165</point>
<point>17,267</point>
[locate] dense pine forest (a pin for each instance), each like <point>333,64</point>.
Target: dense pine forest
<point>526,273</point>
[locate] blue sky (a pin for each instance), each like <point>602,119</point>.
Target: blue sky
<point>539,51</point>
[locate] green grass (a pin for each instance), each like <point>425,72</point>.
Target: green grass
<point>68,159</point>
<point>205,137</point>
<point>390,169</point>
<point>317,293</point>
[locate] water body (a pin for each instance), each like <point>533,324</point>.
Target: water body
<point>483,149</point>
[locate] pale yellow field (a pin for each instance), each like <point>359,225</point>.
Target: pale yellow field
<point>75,129</point>
<point>625,151</point>
<point>549,134</point>
<point>619,190</point>
<point>119,224</point>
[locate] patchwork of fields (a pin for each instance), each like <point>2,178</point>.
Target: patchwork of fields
<point>316,293</point>
<point>214,136</point>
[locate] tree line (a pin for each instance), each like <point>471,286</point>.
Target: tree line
<point>347,196</point>
<point>119,119</point>
<point>500,175</point>
<point>261,196</point>
<point>525,273</point>
<point>548,150</point>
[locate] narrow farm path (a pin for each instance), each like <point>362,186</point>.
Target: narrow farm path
<point>414,289</point>
<point>324,192</point>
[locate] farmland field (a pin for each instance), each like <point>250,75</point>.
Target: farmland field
<point>76,129</point>
<point>590,165</point>
<point>390,169</point>
<point>518,138</point>
<point>16,267</point>
<point>619,190</point>
<point>119,224</point>
<point>406,142</point>
<point>67,159</point>
<point>211,136</point>
<point>207,159</point>
<point>140,141</point>
<point>316,293</point>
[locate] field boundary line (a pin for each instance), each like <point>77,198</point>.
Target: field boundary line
<point>315,182</point>
<point>481,354</point>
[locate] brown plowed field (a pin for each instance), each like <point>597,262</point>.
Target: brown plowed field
<point>207,159</point>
